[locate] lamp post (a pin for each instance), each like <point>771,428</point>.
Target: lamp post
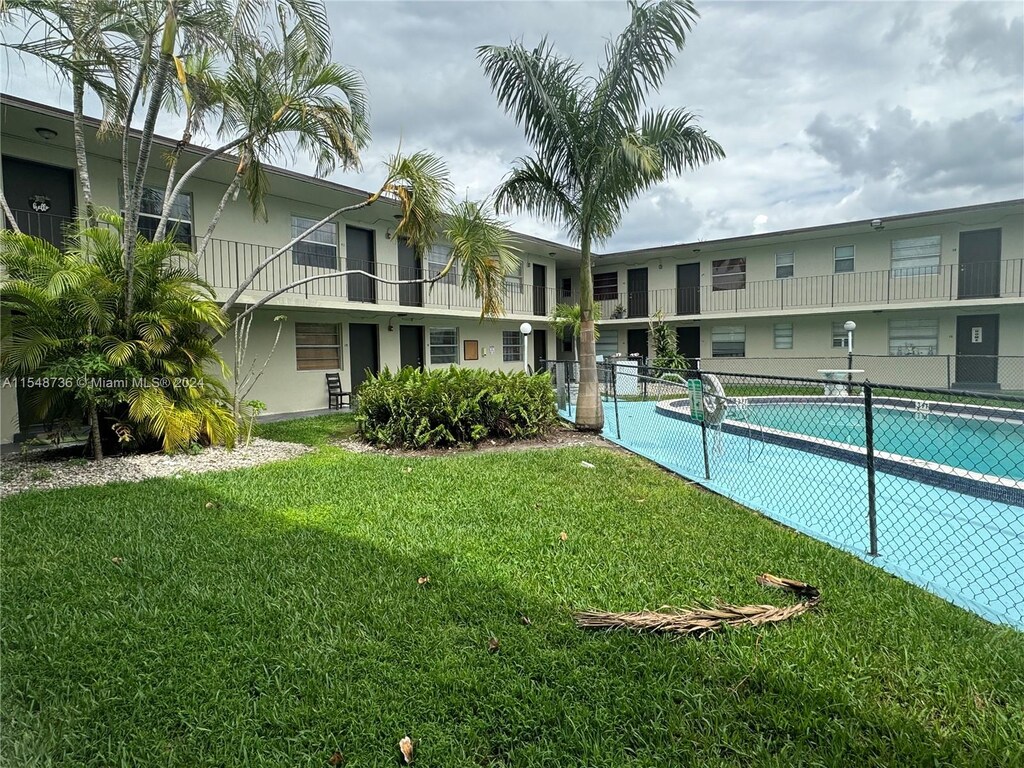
<point>526,329</point>
<point>850,327</point>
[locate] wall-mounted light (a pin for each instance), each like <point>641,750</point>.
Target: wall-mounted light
<point>876,224</point>
<point>46,134</point>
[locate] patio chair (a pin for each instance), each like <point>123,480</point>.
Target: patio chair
<point>336,396</point>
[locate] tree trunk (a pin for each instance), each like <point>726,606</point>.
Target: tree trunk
<point>81,160</point>
<point>589,412</point>
<point>133,196</point>
<point>94,432</point>
<point>201,248</point>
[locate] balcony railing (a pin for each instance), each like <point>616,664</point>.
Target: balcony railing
<point>948,282</point>
<point>226,262</point>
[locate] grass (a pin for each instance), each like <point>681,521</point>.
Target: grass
<point>269,617</point>
<point>316,430</point>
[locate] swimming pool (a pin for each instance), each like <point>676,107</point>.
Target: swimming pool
<point>967,448</point>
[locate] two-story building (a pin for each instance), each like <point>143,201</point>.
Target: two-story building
<point>944,285</point>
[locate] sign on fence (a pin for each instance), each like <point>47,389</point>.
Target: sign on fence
<point>696,399</point>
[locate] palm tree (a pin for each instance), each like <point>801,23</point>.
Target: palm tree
<point>70,324</point>
<point>594,149</point>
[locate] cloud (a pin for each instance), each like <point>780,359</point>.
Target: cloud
<point>983,150</point>
<point>981,37</point>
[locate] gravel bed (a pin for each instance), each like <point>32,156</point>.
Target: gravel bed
<point>35,472</point>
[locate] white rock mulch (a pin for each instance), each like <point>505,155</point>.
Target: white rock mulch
<point>27,472</point>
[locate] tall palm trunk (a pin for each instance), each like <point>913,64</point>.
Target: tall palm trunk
<point>81,159</point>
<point>589,413</point>
<point>134,195</point>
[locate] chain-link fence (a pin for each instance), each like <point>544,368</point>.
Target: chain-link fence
<point>923,482</point>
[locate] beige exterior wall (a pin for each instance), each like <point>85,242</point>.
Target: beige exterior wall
<point>286,389</point>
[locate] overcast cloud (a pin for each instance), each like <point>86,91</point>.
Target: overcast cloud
<point>828,111</point>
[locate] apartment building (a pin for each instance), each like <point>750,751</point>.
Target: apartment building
<point>938,294</point>
<point>942,285</point>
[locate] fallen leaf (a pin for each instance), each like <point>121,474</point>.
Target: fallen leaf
<point>493,645</point>
<point>525,619</point>
<point>423,580</point>
<point>407,470</point>
<point>563,536</point>
<point>336,759</point>
<point>586,464</point>
<point>209,505</point>
<point>406,746</point>
<point>640,501</point>
<point>117,560</point>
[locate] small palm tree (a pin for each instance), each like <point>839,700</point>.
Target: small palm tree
<point>69,323</point>
<point>567,320</point>
<point>594,148</point>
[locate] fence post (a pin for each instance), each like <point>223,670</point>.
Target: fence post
<point>704,443</point>
<point>949,380</point>
<point>615,398</point>
<point>869,441</point>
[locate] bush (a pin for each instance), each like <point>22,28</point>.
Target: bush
<point>421,409</point>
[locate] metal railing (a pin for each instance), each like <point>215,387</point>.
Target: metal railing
<point>948,282</point>
<point>925,483</point>
<point>225,262</point>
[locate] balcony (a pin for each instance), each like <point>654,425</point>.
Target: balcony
<point>226,261</point>
<point>946,283</point>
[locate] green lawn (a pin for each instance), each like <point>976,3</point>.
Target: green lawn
<point>143,627</point>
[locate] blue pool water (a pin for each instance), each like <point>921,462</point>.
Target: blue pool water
<point>979,444</point>
<point>964,549</point>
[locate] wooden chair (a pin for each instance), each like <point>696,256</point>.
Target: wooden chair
<point>336,396</point>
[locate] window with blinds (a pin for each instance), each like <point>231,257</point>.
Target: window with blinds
<point>916,256</point>
<point>511,346</point>
<point>444,346</point>
<point>783,335</point>
<point>728,341</point>
<point>913,337</point>
<point>317,249</point>
<point>606,286</point>
<point>317,346</point>
<point>728,274</point>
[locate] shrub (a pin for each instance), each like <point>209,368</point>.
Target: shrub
<point>420,409</point>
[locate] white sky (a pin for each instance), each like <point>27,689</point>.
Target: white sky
<point>828,111</point>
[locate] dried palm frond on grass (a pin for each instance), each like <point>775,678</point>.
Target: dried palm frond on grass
<point>701,620</point>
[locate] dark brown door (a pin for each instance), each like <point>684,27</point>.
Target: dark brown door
<point>411,343</point>
<point>359,254</point>
<point>980,251</point>
<point>636,292</point>
<point>540,296</point>
<point>636,342</point>
<point>410,295</point>
<point>977,349</point>
<point>688,343</point>
<point>688,289</point>
<point>363,352</point>
<point>41,197</point>
<point>540,349</point>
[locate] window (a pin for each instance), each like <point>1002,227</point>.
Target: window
<point>511,346</point>
<point>567,340</point>
<point>913,337</point>
<point>514,281</point>
<point>785,264</point>
<point>317,249</point>
<point>783,333</point>
<point>179,221</point>
<point>437,259</point>
<point>840,336</point>
<point>566,287</point>
<point>916,256</point>
<point>728,274</point>
<point>606,286</point>
<point>444,345</point>
<point>844,258</point>
<point>608,345</point>
<point>728,341</point>
<point>317,347</point>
